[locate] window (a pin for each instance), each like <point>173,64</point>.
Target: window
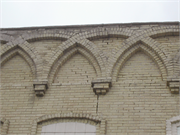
<point>178,130</point>
<point>173,126</point>
<point>68,124</point>
<point>69,128</point>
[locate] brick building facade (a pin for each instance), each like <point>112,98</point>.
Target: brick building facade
<point>113,79</point>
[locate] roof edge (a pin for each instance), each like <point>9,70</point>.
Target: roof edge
<point>90,25</point>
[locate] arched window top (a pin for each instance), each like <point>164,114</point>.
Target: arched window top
<point>69,128</point>
<point>94,123</point>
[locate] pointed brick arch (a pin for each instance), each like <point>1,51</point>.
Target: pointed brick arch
<point>160,31</point>
<point>144,35</point>
<point>22,42</point>
<point>85,44</point>
<point>70,54</point>
<point>19,41</point>
<point>148,42</point>
<point>126,55</point>
<point>30,51</point>
<point>24,47</point>
<point>101,129</point>
<point>166,30</point>
<point>88,45</point>
<point>24,55</point>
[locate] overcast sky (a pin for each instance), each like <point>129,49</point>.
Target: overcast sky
<point>28,13</point>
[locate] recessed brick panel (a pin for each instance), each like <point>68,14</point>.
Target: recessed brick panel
<point>76,70</point>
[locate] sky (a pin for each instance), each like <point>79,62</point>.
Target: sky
<point>31,13</point>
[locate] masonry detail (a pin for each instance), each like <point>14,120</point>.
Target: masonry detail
<point>121,78</point>
<point>40,87</point>
<point>101,86</point>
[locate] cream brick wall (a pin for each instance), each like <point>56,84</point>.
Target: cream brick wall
<point>76,70</point>
<point>108,45</point>
<point>16,94</point>
<point>45,48</point>
<point>170,44</point>
<point>138,69</point>
<point>139,101</point>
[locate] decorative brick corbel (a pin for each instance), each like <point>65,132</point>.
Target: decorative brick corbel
<point>101,85</point>
<point>40,87</point>
<point>174,85</point>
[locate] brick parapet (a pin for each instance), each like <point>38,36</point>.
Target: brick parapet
<point>82,38</point>
<point>144,35</point>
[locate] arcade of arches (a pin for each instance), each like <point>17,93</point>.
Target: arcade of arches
<point>91,79</point>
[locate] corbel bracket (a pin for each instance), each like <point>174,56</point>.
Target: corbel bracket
<point>174,85</point>
<point>40,88</point>
<point>101,85</point>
